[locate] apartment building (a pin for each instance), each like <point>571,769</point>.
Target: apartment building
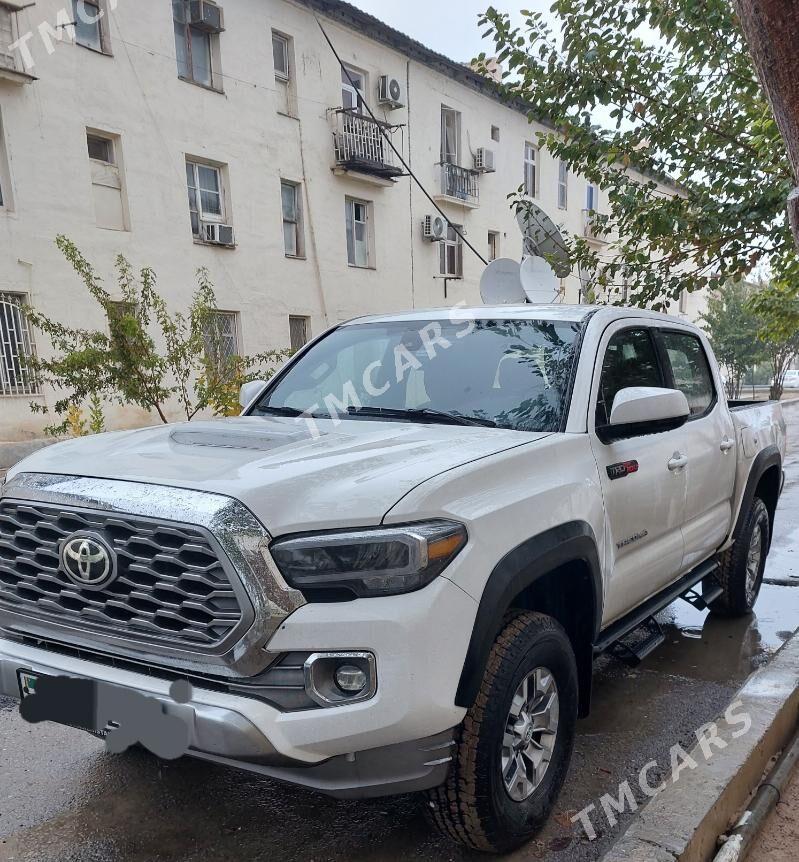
<point>187,134</point>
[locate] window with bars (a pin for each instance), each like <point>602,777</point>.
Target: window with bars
<point>291,202</point>
<point>298,332</point>
<point>530,170</point>
<point>563,185</point>
<point>206,199</point>
<point>16,348</point>
<point>221,339</point>
<point>451,253</point>
<point>196,48</point>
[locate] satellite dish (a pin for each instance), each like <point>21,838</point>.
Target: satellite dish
<point>501,283</point>
<point>542,238</point>
<point>539,281</point>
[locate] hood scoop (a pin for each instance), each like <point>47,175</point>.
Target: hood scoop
<point>261,441</point>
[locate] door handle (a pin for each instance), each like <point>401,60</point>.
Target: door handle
<point>726,444</point>
<point>677,461</point>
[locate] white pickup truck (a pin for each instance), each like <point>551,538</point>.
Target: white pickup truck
<point>394,571</point>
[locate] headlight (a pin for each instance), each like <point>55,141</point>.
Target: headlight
<point>375,562</point>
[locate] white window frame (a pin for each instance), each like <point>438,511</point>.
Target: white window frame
<point>449,156</point>
<point>297,221</point>
<point>591,198</point>
<point>563,185</point>
<point>351,223</point>
<point>280,73</point>
<point>16,347</point>
<point>452,240</point>
<point>355,94</point>
<point>203,216</point>
<point>531,177</point>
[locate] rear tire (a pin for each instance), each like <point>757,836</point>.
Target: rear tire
<point>513,748</point>
<point>742,566</point>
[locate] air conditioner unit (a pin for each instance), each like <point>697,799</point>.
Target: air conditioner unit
<point>218,234</point>
<point>434,228</point>
<point>206,16</point>
<point>389,92</point>
<point>484,160</point>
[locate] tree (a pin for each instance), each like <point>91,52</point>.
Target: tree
<point>127,364</point>
<point>777,307</point>
<point>683,101</point>
<point>771,28</point>
<point>733,328</point>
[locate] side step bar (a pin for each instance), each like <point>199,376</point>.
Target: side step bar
<point>609,638</point>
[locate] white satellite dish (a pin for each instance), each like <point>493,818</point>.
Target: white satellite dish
<point>542,238</point>
<point>539,281</point>
<point>501,283</point>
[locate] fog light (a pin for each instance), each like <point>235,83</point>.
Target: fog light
<point>351,679</point>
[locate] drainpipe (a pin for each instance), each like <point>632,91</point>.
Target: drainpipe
<point>738,842</point>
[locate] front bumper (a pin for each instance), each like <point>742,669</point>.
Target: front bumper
<point>396,742</point>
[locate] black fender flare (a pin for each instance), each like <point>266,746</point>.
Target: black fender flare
<point>571,542</point>
<point>769,457</point>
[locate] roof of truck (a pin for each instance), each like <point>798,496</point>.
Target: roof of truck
<point>567,313</point>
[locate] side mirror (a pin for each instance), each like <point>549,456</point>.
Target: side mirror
<point>640,410</point>
<point>250,390</point>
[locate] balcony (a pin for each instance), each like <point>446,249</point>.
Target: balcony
<point>591,229</point>
<point>459,185</point>
<point>362,149</point>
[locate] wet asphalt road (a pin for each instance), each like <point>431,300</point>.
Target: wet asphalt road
<point>62,798</point>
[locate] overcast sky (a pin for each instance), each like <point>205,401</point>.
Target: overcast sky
<point>447,26</point>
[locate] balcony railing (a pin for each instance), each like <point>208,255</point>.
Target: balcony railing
<point>361,145</point>
<point>592,229</point>
<point>460,183</point>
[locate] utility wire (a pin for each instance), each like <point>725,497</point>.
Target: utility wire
<point>397,153</point>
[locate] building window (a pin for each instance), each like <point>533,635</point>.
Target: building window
<point>495,133</point>
<point>16,348</point>
<point>353,86</point>
<point>451,253</point>
<point>683,302</point>
<point>450,136</point>
<point>280,53</point>
<point>493,244</point>
<point>283,57</point>
<point>291,201</point>
<point>206,197</point>
<point>591,197</point>
<point>6,202</point>
<point>108,187</point>
<point>196,46</point>
<point>298,332</point>
<point>563,185</point>
<point>221,340</point>
<point>91,25</point>
<point>358,233</point>
<point>530,170</point>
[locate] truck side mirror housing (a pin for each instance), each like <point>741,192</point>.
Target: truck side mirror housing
<point>639,410</point>
<point>250,390</point>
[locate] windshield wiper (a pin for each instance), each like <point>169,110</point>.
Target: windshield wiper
<point>421,413</point>
<point>280,411</point>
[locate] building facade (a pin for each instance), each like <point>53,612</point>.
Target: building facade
<point>186,134</point>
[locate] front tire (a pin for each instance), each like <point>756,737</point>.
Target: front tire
<point>514,746</point>
<point>742,566</point>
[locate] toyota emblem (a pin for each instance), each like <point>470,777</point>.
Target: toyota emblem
<point>88,561</point>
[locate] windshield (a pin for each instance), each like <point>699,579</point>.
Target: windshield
<point>508,373</point>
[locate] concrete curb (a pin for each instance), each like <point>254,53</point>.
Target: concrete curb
<point>10,453</point>
<point>683,822</point>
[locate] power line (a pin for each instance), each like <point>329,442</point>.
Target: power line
<point>397,153</point>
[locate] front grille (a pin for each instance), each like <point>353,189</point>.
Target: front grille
<point>170,581</point>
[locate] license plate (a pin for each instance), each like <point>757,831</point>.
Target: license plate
<point>27,683</point>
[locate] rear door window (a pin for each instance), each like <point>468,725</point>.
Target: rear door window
<point>690,369</point>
